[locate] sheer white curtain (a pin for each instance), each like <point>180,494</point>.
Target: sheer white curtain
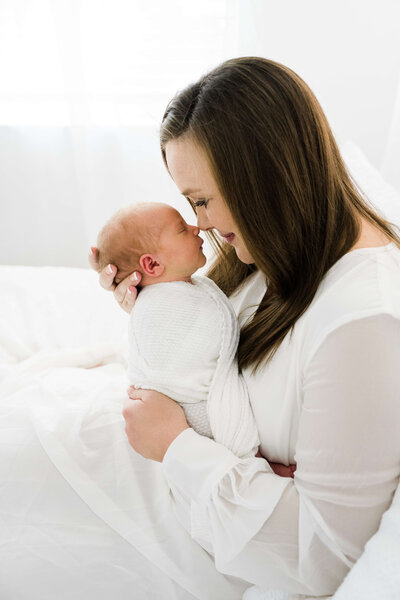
<point>83,86</point>
<point>105,62</point>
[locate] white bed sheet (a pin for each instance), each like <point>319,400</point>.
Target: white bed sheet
<point>81,514</point>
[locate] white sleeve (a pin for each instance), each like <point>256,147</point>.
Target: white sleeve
<point>304,535</point>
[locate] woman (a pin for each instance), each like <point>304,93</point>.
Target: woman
<point>250,148</point>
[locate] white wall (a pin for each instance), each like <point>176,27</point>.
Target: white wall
<point>348,51</point>
<point>59,185</point>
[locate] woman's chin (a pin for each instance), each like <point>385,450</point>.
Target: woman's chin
<point>244,256</point>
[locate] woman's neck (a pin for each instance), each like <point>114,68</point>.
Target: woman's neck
<point>370,236</point>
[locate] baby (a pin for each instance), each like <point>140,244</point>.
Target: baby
<point>154,239</point>
<point>183,332</point>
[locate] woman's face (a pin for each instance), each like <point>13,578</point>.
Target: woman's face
<point>191,172</point>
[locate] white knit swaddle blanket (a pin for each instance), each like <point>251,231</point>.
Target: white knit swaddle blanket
<point>183,339</point>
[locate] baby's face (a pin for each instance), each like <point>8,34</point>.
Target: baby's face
<point>180,247</point>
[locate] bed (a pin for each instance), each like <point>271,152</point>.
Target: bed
<point>71,525</point>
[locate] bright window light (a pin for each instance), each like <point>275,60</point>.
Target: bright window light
<point>105,62</point>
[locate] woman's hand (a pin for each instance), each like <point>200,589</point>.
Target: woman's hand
<point>152,422</point>
<point>125,292</point>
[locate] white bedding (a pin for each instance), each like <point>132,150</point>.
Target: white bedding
<point>81,514</point>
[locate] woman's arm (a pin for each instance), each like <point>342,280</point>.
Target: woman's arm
<point>125,292</point>
<point>304,535</point>
<point>149,407</point>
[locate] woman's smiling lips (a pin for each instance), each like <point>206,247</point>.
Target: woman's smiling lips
<point>227,236</point>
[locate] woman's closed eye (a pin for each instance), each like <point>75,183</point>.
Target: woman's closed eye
<point>201,202</point>
<point>197,203</point>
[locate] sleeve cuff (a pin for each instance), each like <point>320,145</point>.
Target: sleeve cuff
<point>195,464</point>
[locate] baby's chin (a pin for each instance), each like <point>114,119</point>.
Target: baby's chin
<point>202,262</point>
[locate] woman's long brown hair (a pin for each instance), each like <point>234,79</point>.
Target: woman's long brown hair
<point>279,170</point>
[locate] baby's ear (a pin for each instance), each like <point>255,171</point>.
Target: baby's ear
<point>150,265</point>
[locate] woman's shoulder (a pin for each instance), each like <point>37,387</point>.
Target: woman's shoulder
<point>363,279</point>
<point>363,283</point>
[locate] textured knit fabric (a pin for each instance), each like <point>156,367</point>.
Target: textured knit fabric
<point>183,339</point>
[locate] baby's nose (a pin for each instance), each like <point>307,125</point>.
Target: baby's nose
<point>196,230</point>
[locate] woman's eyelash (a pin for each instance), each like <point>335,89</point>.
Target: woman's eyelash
<point>200,203</point>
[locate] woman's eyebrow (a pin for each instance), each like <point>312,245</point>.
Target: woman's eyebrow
<point>189,191</point>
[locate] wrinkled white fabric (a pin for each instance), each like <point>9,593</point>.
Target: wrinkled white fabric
<point>82,515</point>
<point>329,401</point>
<point>377,573</point>
<point>183,339</point>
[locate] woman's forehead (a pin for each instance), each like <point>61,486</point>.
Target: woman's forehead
<point>188,166</point>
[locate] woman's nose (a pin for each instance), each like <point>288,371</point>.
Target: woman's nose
<point>202,221</point>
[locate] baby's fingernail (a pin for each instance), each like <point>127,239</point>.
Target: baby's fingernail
<point>110,270</point>
<point>134,277</point>
<point>91,251</point>
<point>130,291</point>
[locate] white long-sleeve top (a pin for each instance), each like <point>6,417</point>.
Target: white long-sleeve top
<point>329,400</point>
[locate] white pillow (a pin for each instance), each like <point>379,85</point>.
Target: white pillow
<point>50,308</point>
<point>383,196</point>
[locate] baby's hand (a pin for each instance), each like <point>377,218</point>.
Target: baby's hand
<point>278,469</point>
<point>125,292</point>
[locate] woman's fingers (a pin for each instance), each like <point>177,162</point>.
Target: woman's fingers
<point>93,258</point>
<point>126,292</point>
<point>135,394</point>
<point>106,277</point>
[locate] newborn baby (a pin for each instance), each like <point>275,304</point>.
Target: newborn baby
<point>183,332</point>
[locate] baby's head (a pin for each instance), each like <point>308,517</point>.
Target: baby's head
<point>154,239</point>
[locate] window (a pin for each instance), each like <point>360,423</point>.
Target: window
<point>105,62</point>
